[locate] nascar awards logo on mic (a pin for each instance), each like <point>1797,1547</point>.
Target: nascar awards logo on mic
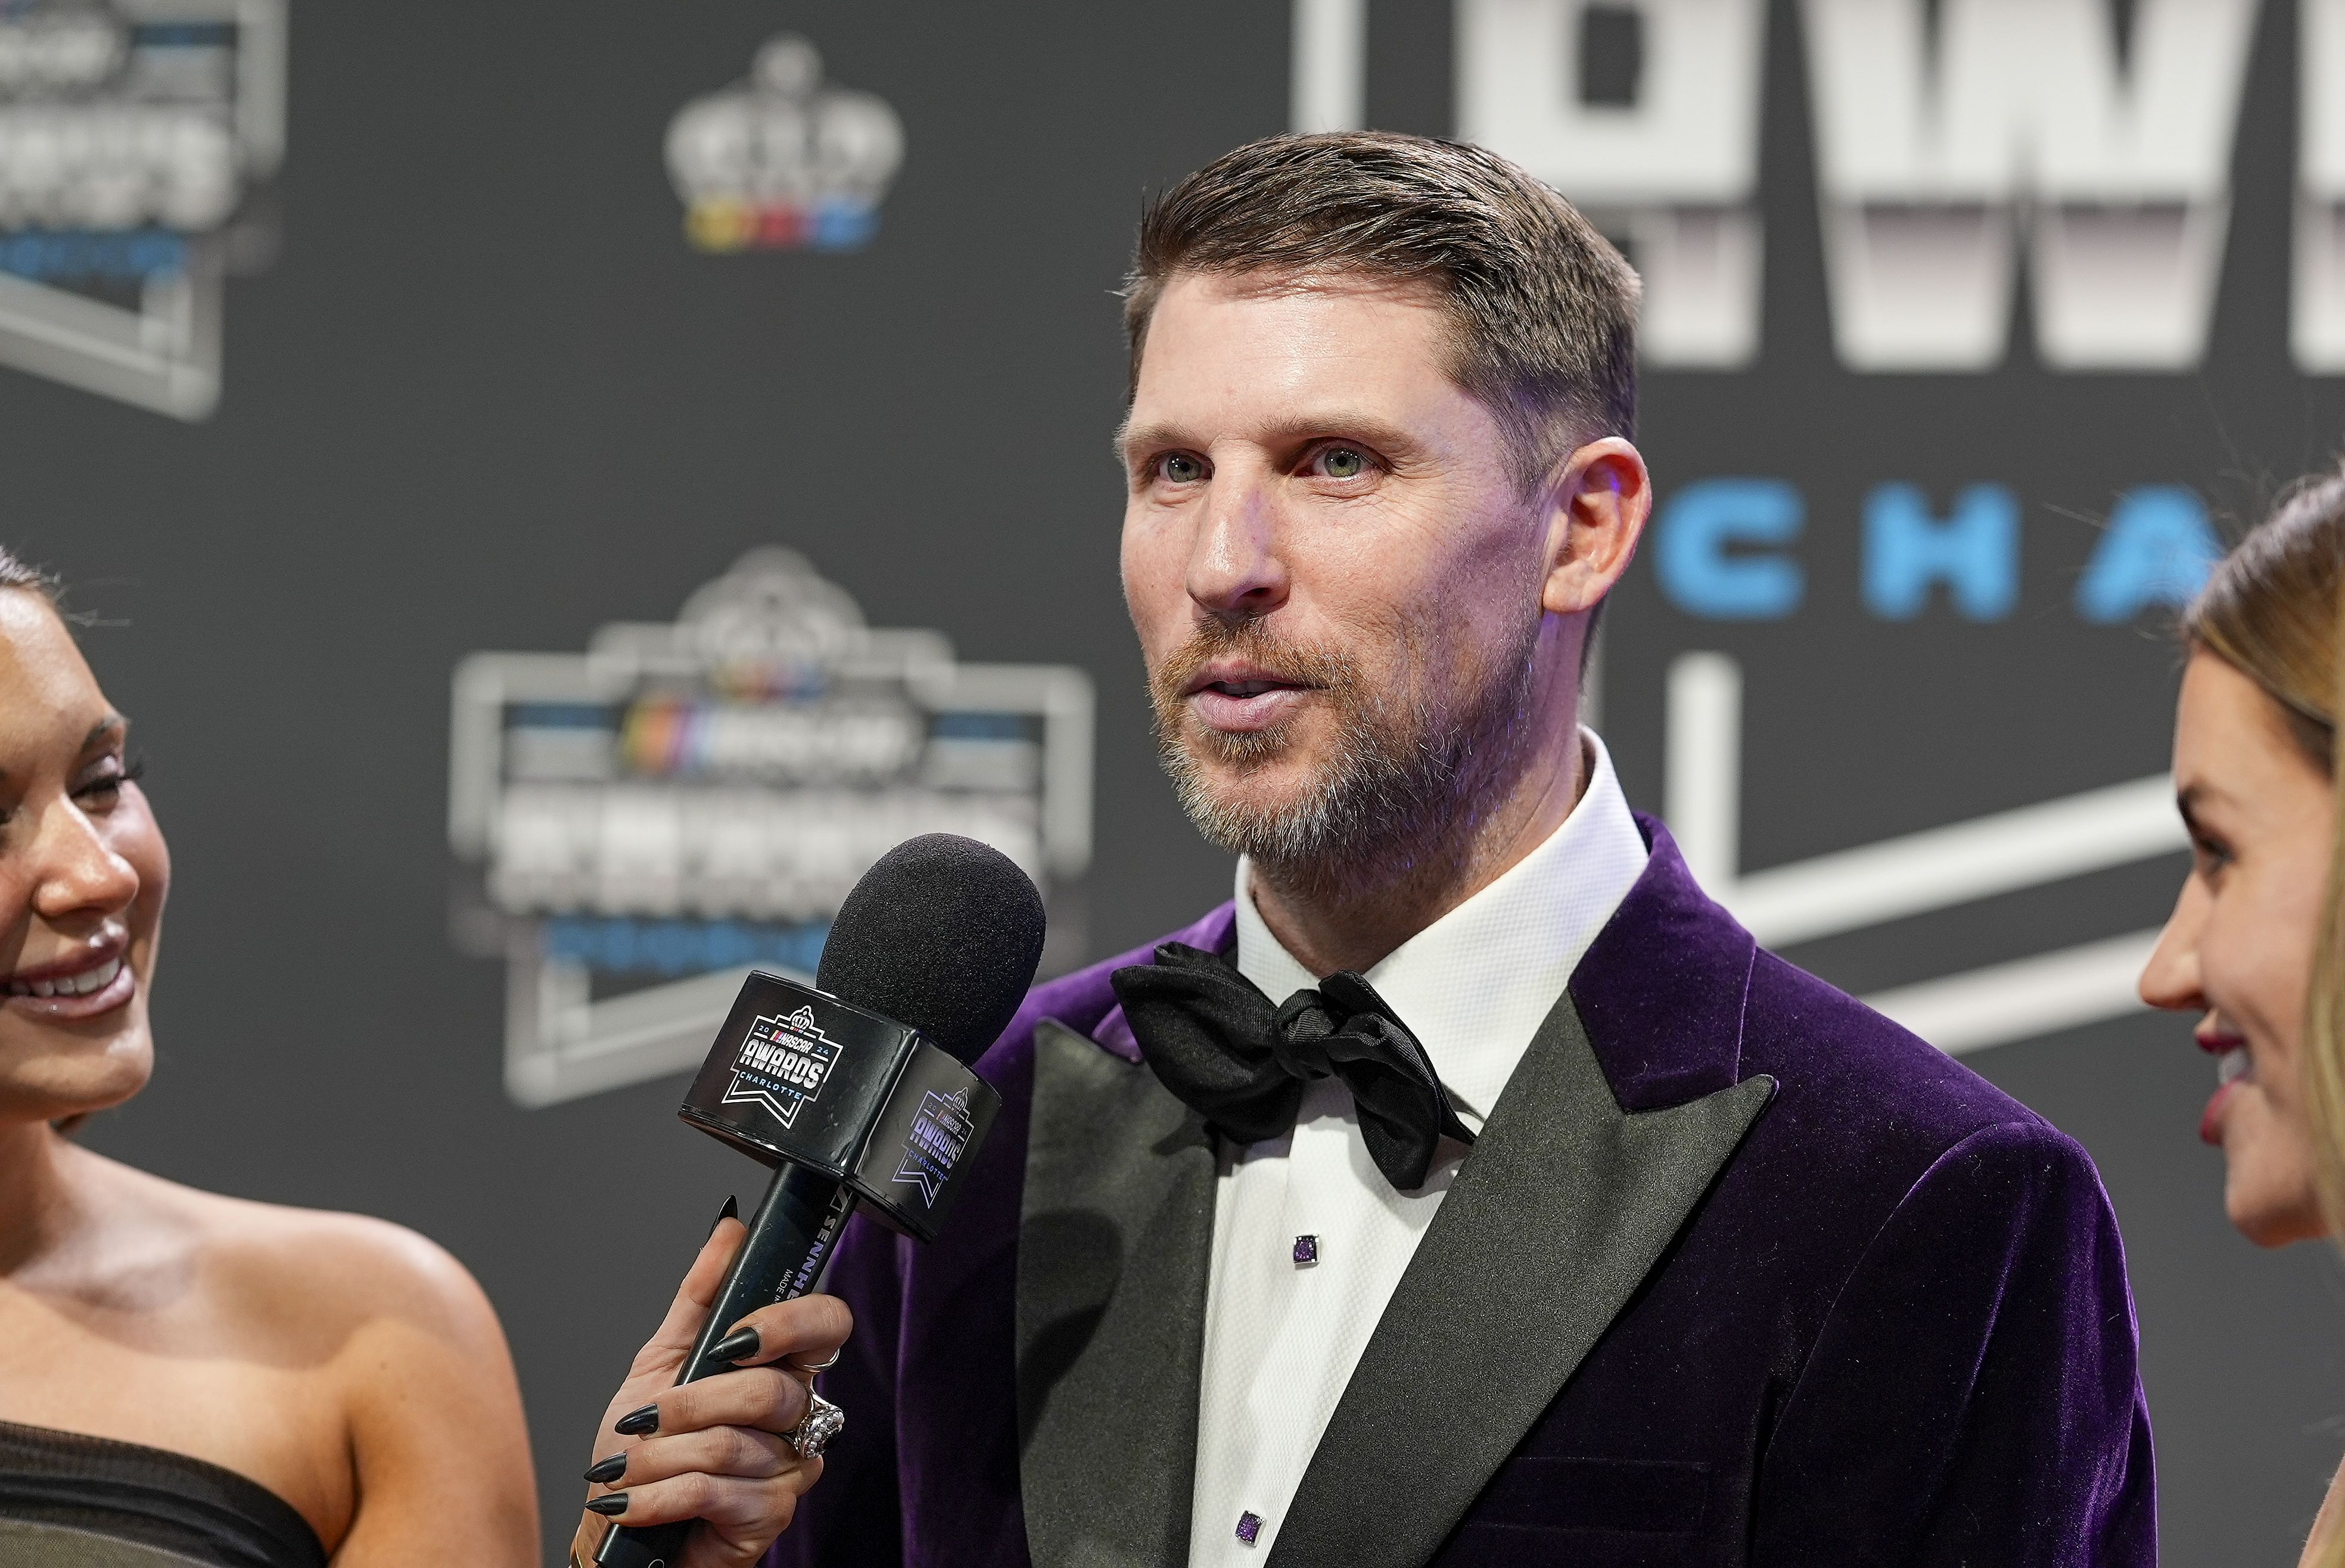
<point>783,161</point>
<point>939,1136</point>
<point>781,1065</point>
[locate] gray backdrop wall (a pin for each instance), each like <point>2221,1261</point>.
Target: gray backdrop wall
<point>485,396</point>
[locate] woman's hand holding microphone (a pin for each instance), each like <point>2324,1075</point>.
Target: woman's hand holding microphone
<point>719,1450</point>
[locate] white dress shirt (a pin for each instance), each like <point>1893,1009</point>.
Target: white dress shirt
<point>1282,1337</point>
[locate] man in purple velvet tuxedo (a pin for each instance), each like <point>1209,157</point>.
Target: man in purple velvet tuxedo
<point>1471,1188</point>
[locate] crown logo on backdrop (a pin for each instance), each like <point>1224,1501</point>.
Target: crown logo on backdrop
<point>772,625</point>
<point>783,161</point>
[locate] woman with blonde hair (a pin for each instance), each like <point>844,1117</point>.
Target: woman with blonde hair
<point>2324,1064</point>
<point>2254,943</point>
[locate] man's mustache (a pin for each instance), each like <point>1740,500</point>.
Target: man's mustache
<point>1288,663</point>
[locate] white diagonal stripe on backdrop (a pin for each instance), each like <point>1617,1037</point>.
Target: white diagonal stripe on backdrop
<point>1943,866</point>
<point>2025,998</point>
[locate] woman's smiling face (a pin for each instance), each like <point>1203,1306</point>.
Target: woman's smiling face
<point>2239,948</point>
<point>82,874</point>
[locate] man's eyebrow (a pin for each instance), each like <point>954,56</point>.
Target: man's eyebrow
<point>1131,437</point>
<point>1337,423</point>
<point>1329,424</point>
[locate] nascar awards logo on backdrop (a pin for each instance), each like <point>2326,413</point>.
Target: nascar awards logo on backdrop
<point>641,824</point>
<point>783,161</point>
<point>133,133</point>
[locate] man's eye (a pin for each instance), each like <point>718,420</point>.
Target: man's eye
<point>1342,462</point>
<point>1182,469</point>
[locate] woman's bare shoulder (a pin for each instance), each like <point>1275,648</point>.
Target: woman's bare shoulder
<point>389,1393</point>
<point>316,1276</point>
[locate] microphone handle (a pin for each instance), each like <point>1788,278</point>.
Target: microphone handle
<point>789,1242</point>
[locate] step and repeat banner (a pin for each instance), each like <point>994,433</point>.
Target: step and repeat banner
<point>560,488</point>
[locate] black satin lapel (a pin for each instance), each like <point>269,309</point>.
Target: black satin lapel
<point>1556,1217</point>
<point>1113,1246</point>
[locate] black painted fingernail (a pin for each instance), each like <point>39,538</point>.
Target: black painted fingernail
<point>638,1423</point>
<point>604,1471</point>
<point>732,1211</point>
<point>733,1346</point>
<point>610,1504</point>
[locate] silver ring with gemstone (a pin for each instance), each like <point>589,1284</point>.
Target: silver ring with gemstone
<point>822,1366</point>
<point>823,1421</point>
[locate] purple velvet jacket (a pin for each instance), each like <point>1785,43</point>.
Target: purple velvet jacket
<point>1738,1273</point>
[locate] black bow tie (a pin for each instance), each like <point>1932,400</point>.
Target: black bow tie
<point>1216,1041</point>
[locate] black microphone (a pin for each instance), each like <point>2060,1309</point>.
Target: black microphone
<point>857,1090</point>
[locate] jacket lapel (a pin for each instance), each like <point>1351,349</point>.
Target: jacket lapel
<point>1114,1246</point>
<point>1564,1204</point>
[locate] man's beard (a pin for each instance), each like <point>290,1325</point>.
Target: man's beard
<point>1408,777</point>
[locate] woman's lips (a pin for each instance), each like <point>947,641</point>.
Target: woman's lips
<point>2233,1068</point>
<point>82,994</point>
<point>1237,707</point>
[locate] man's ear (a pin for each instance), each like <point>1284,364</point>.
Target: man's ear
<point>1597,505</point>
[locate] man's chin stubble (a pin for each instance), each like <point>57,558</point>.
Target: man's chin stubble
<point>1395,788</point>
<point>1344,828</point>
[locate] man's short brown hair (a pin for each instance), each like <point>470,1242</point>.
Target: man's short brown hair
<point>1543,310</point>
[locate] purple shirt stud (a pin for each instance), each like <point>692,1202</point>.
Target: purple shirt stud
<point>1249,1526</point>
<point>1306,1252</point>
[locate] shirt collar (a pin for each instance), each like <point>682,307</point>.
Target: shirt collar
<point>1474,986</point>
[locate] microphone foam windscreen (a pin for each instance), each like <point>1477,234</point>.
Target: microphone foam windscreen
<point>941,933</point>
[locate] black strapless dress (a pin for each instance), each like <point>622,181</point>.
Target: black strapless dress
<point>68,1501</point>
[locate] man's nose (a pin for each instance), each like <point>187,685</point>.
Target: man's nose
<point>78,870</point>
<point>1235,570</point>
<point>2170,978</point>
